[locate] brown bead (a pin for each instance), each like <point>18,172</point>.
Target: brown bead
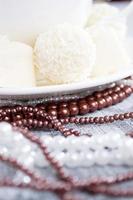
<point>106,119</point>
<point>19,123</point>
<point>73,109</point>
<point>96,120</point>
<point>52,112</point>
<point>41,106</point>
<point>35,123</point>
<point>63,112</point>
<point>90,98</point>
<point>122,86</point>
<point>87,120</point>
<point>128,90</point>
<point>101,120</point>
<point>7,119</point>
<point>30,109</point>
<point>111,119</point>
<point>45,123</point>
<point>25,108</point>
<point>82,101</point>
<point>76,121</point>
<point>64,121</point>
<point>52,106</point>
<point>115,98</point>
<point>73,119</point>
<point>91,120</point>
<point>67,133</point>
<point>131,115</point>
<point>97,94</point>
<point>30,121</point>
<point>40,114</point>
<point>101,103</point>
<point>121,117</point>
<point>108,100</point>
<point>18,108</point>
<point>24,121</point>
<point>40,124</point>
<point>83,108</point>
<point>116,116</point>
<point>117,89</point>
<point>14,124</point>
<point>35,110</point>
<point>18,117</point>
<point>110,91</point>
<point>127,115</point>
<point>121,95</point>
<point>73,103</point>
<point>4,114</point>
<point>8,110</point>
<point>74,132</point>
<point>105,93</point>
<point>82,120</point>
<point>93,105</point>
<point>29,115</point>
<point>63,105</point>
<point>13,110</point>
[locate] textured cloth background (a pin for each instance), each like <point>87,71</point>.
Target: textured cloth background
<point>81,173</point>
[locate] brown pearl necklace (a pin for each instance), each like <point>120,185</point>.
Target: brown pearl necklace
<point>55,115</point>
<point>68,183</point>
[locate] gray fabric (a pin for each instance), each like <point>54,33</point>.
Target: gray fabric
<point>81,173</point>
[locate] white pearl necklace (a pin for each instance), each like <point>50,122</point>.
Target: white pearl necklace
<point>112,148</point>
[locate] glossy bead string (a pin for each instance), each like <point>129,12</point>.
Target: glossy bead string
<point>67,182</point>
<point>55,115</point>
<point>101,149</point>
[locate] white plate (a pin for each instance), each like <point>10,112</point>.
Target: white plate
<point>50,91</point>
<point>59,90</point>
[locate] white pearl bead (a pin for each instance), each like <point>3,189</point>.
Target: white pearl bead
<point>118,159</point>
<point>73,160</point>
<point>88,160</point>
<point>18,137</point>
<point>129,143</point>
<point>26,179</point>
<point>101,157</point>
<point>27,161</point>
<point>26,149</point>
<point>60,142</point>
<point>49,142</point>
<point>4,151</point>
<point>60,156</point>
<point>5,127</point>
<point>40,160</point>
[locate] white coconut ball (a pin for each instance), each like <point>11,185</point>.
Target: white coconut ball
<point>64,54</point>
<point>108,15</point>
<point>111,53</point>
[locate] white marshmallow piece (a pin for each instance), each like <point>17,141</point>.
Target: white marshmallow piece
<point>111,54</point>
<point>16,64</point>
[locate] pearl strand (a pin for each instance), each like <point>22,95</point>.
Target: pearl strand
<point>112,148</point>
<point>96,185</point>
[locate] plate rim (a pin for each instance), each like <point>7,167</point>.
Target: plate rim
<point>17,91</point>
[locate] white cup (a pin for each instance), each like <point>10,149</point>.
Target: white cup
<point>23,20</point>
